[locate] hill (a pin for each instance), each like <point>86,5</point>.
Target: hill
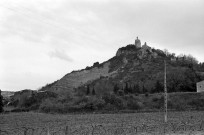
<point>135,66</point>
<point>132,79</point>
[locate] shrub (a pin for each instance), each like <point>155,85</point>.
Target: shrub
<point>120,92</point>
<point>114,100</point>
<point>133,104</point>
<point>51,105</point>
<point>94,103</point>
<point>99,103</point>
<point>155,99</point>
<point>109,107</point>
<point>1,103</point>
<point>197,103</point>
<point>80,100</point>
<point>146,94</point>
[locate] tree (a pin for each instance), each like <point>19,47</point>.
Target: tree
<point>126,88</point>
<point>166,52</point>
<point>87,90</point>
<point>158,87</point>
<point>136,89</point>
<point>93,91</point>
<point>115,89</point>
<point>144,89</point>
<point>1,103</point>
<point>130,89</point>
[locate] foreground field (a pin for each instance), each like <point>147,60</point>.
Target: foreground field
<point>102,124</point>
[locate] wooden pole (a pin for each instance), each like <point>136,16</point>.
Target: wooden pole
<point>165,94</point>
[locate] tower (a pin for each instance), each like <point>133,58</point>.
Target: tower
<point>137,43</point>
<point>145,44</point>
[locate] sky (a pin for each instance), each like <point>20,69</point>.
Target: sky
<point>42,40</point>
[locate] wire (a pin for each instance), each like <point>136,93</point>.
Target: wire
<point>63,29</point>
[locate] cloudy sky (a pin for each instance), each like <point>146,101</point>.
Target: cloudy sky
<point>42,40</point>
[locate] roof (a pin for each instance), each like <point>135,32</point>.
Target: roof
<point>201,81</point>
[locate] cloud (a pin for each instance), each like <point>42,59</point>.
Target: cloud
<point>60,54</point>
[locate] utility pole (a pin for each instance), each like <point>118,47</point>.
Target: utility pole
<point>165,94</point>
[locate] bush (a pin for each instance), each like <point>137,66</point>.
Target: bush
<point>1,103</point>
<point>155,99</point>
<point>51,105</point>
<point>94,104</point>
<point>158,102</point>
<point>197,103</point>
<point>146,94</point>
<point>109,107</point>
<point>133,104</point>
<point>81,100</point>
<point>120,92</point>
<point>114,100</point>
<point>99,103</point>
<point>20,110</point>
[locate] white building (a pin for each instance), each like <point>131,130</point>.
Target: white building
<point>200,86</point>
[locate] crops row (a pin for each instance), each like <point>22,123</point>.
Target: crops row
<point>101,124</point>
<point>118,129</point>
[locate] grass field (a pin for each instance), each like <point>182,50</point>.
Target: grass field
<point>102,124</point>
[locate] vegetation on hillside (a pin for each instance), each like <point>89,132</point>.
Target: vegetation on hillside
<point>1,103</point>
<point>110,102</point>
<point>47,86</point>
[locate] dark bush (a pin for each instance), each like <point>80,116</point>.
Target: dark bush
<point>1,103</point>
<point>120,92</point>
<point>197,103</point>
<point>51,105</point>
<point>155,99</point>
<point>133,104</point>
<point>114,100</point>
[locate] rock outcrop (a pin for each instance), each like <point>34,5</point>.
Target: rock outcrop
<point>129,49</point>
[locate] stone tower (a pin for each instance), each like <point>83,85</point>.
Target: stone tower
<point>137,43</point>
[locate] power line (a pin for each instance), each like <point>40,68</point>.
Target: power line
<point>63,29</point>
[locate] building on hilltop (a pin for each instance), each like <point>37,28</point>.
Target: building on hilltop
<point>145,47</point>
<point>137,43</point>
<point>200,86</point>
<point>145,44</point>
